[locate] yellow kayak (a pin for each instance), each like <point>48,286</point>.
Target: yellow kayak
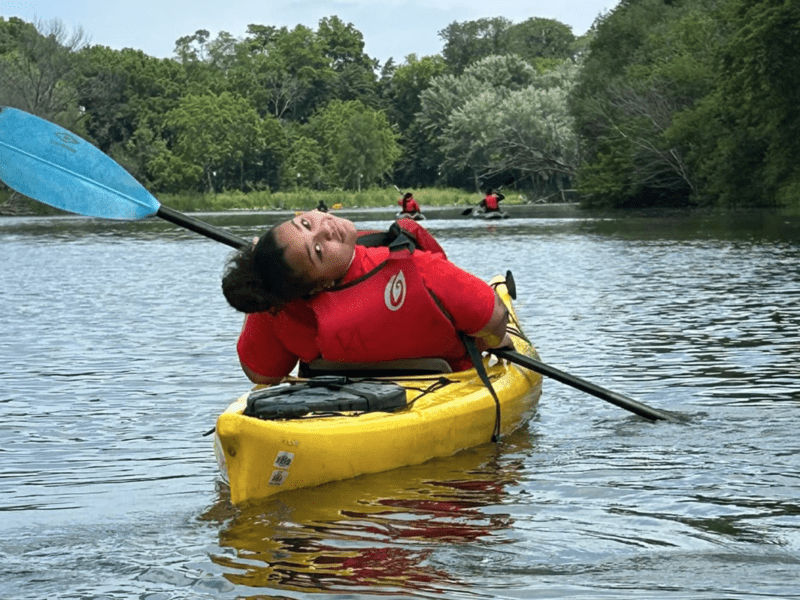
<point>442,413</point>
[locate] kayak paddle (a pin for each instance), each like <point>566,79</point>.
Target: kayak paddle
<point>571,380</point>
<point>49,164</point>
<point>615,398</point>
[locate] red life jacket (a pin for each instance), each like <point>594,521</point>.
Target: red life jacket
<point>408,205</point>
<point>388,314</point>
<point>491,202</point>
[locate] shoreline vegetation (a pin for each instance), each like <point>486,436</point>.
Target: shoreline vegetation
<point>299,200</point>
<point>435,203</point>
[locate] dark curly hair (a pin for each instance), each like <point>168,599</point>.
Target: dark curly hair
<point>258,278</point>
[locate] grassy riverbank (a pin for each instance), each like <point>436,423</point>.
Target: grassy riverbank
<point>301,199</point>
<point>304,199</point>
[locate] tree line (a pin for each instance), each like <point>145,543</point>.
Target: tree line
<point>662,102</point>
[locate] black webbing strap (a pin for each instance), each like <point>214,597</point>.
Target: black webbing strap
<point>394,238</point>
<point>477,361</point>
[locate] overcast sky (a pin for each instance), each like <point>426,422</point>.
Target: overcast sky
<point>391,28</point>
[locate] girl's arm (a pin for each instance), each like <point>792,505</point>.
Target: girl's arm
<point>494,335</point>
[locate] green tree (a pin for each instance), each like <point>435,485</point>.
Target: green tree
<point>537,40</point>
<point>445,94</point>
<point>361,147</point>
<point>467,118</point>
<point>534,134</point>
<point>525,129</point>
<point>261,78</point>
<point>467,138</point>
<point>354,82</point>
<point>126,95</point>
<point>419,162</point>
<point>355,77</point>
<point>343,44</point>
<point>38,65</point>
<point>507,72</point>
<point>123,89</point>
<point>192,48</point>
<point>471,41</point>
<point>284,72</point>
<point>205,61</point>
<point>303,166</point>
<point>217,133</point>
<point>540,42</point>
<point>408,81</point>
<point>649,61</point>
<point>745,132</point>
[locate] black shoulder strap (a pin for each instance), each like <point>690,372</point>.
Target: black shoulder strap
<point>374,240</point>
<point>402,240</point>
<point>394,239</point>
<point>477,361</point>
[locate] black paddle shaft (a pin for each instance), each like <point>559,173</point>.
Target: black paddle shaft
<point>585,386</point>
<point>215,233</point>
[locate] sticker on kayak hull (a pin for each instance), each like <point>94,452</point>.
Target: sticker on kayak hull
<point>283,460</point>
<point>278,477</point>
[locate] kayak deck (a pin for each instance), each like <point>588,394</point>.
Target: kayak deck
<point>489,214</point>
<point>259,458</point>
<point>416,216</point>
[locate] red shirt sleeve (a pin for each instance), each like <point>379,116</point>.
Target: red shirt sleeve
<point>261,350</point>
<point>272,345</point>
<point>468,299</point>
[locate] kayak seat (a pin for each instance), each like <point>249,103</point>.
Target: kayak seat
<point>408,366</point>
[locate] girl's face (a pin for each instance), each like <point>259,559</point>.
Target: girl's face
<point>318,246</point>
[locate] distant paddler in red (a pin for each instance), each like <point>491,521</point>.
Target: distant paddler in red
<point>491,202</point>
<point>409,208</point>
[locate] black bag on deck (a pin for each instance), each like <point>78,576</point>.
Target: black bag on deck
<point>324,394</point>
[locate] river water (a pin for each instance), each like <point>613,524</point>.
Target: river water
<point>117,354</point>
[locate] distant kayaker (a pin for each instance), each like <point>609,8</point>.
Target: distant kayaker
<point>409,206</point>
<point>315,287</point>
<point>321,206</point>
<point>491,202</point>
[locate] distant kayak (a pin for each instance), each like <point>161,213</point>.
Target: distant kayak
<point>415,216</point>
<point>480,213</point>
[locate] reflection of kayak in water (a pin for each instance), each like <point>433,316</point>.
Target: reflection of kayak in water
<point>366,531</point>
<point>304,433</point>
<point>481,213</point>
<point>416,216</point>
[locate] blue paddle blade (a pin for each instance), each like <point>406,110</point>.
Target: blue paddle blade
<point>52,165</point>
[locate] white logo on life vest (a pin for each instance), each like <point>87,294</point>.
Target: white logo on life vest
<point>395,293</point>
